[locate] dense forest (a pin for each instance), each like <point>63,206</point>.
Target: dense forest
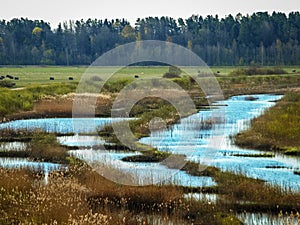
<point>259,38</point>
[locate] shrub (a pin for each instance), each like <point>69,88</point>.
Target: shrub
<point>96,78</point>
<point>184,82</point>
<point>116,85</point>
<point>6,83</point>
<point>170,75</point>
<point>174,72</point>
<point>253,70</point>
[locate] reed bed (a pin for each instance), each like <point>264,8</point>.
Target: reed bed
<point>82,196</point>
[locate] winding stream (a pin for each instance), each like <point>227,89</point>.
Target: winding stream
<point>238,113</point>
<point>209,146</point>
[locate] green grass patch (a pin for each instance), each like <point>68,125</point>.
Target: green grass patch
<point>14,101</point>
<point>148,156</point>
<point>277,128</point>
<point>32,75</point>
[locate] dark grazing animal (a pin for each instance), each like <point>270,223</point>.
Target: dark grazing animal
<point>10,76</point>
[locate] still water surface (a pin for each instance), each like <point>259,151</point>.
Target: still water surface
<point>207,145</point>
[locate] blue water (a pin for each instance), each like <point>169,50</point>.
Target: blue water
<point>206,146</point>
<point>81,140</point>
<point>61,125</point>
<point>58,125</point>
<point>214,147</point>
<point>137,173</point>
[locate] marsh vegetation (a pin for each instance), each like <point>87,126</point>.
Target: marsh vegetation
<point>79,195</point>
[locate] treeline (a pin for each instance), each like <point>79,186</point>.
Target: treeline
<point>261,38</point>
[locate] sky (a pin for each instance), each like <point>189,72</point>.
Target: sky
<point>56,11</point>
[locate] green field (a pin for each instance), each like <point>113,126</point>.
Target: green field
<point>41,75</point>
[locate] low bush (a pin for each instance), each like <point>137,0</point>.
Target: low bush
<point>7,83</point>
<point>115,86</point>
<point>183,82</point>
<point>258,71</point>
<point>170,75</point>
<point>174,72</point>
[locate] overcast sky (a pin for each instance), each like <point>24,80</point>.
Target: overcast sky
<point>55,11</point>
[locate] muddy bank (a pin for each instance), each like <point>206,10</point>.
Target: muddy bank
<point>62,107</point>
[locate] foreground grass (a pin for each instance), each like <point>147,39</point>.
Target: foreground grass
<point>277,129</point>
<point>82,196</point>
<point>25,201</point>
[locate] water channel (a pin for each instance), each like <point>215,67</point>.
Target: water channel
<point>211,146</point>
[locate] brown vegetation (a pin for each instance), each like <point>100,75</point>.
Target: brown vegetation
<point>82,196</point>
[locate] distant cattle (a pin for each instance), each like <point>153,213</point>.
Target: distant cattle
<point>2,77</point>
<point>294,71</point>
<point>71,78</point>
<point>136,76</point>
<point>16,78</point>
<point>51,78</point>
<point>10,76</point>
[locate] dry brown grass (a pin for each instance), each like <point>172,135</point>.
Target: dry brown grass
<point>25,200</point>
<point>137,197</point>
<point>81,196</point>
<point>44,147</point>
<point>63,105</point>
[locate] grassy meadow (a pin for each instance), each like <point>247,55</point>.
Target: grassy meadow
<point>29,75</point>
<point>79,195</point>
<point>278,129</point>
<point>37,83</point>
